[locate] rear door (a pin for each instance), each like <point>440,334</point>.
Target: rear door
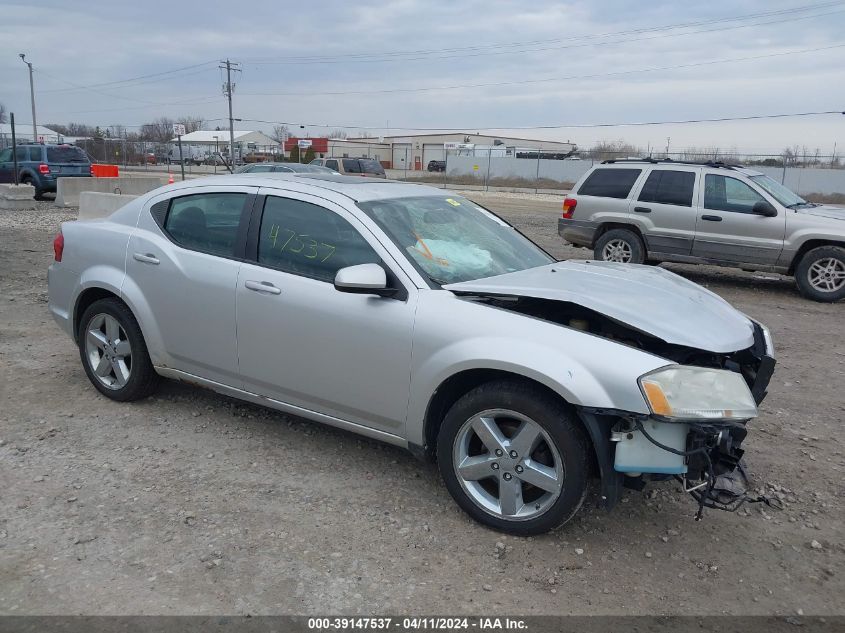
<point>728,231</point>
<point>664,209</point>
<point>184,258</point>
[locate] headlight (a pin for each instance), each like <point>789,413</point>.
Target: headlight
<point>684,392</point>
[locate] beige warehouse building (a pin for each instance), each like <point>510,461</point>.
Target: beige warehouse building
<point>415,151</point>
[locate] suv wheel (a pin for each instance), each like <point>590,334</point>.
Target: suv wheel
<point>27,180</point>
<point>513,458</point>
<point>114,353</point>
<point>820,275</point>
<point>620,245</point>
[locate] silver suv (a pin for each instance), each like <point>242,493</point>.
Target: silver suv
<point>651,211</point>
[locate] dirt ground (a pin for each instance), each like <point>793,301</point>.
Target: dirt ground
<point>194,503</point>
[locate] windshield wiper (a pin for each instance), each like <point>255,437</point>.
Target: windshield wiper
<point>800,204</point>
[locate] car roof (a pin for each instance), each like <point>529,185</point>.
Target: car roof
<point>358,188</point>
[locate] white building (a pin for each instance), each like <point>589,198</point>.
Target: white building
<point>246,142</point>
<point>23,134</point>
<point>414,151</point>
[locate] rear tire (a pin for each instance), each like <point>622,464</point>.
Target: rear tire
<point>820,275</point>
<point>524,471</point>
<point>620,245</point>
<point>113,352</point>
<point>39,194</point>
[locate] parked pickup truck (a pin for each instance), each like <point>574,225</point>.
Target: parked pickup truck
<point>650,211</point>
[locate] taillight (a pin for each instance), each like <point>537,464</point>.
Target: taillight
<point>58,247</point>
<point>569,208</point>
<point>43,169</point>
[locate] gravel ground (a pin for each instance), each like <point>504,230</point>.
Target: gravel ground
<point>193,503</point>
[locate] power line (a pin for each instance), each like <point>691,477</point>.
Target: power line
<point>546,127</point>
<point>496,49</point>
<point>544,80</point>
<point>132,79</point>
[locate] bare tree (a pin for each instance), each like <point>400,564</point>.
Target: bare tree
<point>191,123</point>
<point>340,134</point>
<point>280,133</point>
<point>604,150</point>
<point>2,113</point>
<point>159,131</point>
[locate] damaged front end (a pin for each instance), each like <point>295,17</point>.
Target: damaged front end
<point>683,437</point>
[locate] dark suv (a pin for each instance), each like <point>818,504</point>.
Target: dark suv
<point>42,165</point>
<point>437,165</point>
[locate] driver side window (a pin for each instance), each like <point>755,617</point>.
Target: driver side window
<point>723,193</point>
<point>307,240</point>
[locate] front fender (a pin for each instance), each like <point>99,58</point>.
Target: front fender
<point>585,370</point>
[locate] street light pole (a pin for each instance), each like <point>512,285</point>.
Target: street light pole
<point>31,96</point>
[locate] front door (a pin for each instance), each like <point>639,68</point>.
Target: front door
<point>301,341</point>
<point>665,208</point>
<point>183,256</point>
<point>727,230</point>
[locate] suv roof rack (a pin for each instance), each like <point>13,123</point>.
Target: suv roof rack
<point>656,161</point>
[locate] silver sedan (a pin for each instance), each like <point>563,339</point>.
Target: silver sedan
<point>416,317</point>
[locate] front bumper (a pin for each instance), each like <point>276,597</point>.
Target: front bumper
<point>578,232</point>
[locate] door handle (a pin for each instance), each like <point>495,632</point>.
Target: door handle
<point>262,286</point>
<point>642,209</point>
<point>147,258</point>
<point>712,218</point>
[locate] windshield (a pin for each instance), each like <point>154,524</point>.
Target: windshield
<point>780,193</point>
<point>452,239</point>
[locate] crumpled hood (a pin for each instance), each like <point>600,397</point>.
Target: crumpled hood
<point>825,211</point>
<point>650,299</point>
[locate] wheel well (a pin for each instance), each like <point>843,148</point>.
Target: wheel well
<point>808,246</point>
<point>451,390</point>
<point>86,298</point>
<point>609,226</point>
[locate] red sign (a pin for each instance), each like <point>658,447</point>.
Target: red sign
<point>319,145</point>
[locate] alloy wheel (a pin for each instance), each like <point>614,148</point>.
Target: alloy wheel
<point>508,465</point>
<point>827,275</point>
<point>108,351</point>
<point>617,251</point>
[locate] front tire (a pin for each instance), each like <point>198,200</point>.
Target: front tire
<point>621,246</point>
<point>113,352</point>
<point>820,275</point>
<point>514,458</point>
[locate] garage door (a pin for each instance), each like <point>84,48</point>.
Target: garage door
<point>433,151</point>
<point>403,157</point>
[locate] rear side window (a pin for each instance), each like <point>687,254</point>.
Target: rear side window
<point>69,154</point>
<point>331,164</point>
<point>666,186</point>
<point>351,166</point>
<point>610,183</point>
<point>308,240</point>
<point>23,154</point>
<point>371,166</point>
<point>206,222</point>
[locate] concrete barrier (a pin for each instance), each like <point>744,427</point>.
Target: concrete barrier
<point>17,197</point>
<point>94,205</point>
<point>68,189</point>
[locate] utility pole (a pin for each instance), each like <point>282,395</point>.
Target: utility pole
<point>667,146</point>
<point>228,89</point>
<point>31,96</point>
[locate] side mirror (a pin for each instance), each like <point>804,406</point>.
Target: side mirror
<point>363,279</point>
<point>764,208</point>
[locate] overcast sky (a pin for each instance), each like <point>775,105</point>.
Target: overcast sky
<point>293,54</point>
